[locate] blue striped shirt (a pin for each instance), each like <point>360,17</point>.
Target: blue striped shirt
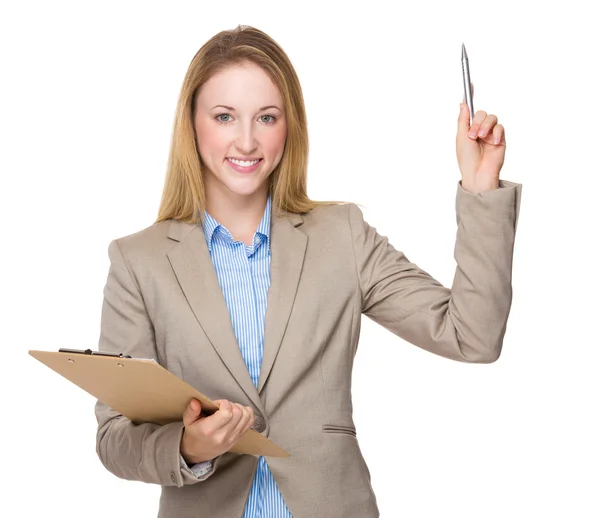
<point>244,275</point>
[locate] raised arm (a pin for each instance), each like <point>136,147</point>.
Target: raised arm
<point>468,322</point>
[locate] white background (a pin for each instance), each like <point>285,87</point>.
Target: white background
<point>87,97</point>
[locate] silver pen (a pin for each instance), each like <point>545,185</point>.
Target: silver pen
<point>467,81</point>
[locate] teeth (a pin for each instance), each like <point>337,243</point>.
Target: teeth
<point>243,163</point>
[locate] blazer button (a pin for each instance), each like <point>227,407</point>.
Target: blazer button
<point>260,425</point>
<point>173,478</point>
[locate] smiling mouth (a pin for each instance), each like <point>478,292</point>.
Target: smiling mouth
<point>244,163</point>
<point>244,166</point>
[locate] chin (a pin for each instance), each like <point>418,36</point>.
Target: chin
<point>245,190</point>
<point>232,183</point>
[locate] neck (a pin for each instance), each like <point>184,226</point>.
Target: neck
<point>240,214</point>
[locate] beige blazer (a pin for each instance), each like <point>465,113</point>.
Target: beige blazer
<point>328,267</point>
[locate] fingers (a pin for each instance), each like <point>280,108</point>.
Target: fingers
<point>245,423</point>
<point>498,133</point>
<point>220,418</point>
<point>228,418</point>
<point>192,412</point>
<point>475,123</point>
<point>210,436</point>
<point>241,416</point>
<point>486,127</point>
<point>463,118</point>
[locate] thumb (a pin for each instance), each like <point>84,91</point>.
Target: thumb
<point>192,412</point>
<point>464,119</point>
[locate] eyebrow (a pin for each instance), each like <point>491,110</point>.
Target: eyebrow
<point>233,109</point>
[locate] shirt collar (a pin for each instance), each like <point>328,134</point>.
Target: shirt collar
<point>210,225</point>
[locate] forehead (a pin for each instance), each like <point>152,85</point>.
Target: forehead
<point>241,84</point>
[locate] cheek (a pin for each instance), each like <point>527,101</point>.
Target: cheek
<point>276,141</point>
<point>208,140</point>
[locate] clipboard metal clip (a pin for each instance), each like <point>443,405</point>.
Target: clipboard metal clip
<point>95,353</point>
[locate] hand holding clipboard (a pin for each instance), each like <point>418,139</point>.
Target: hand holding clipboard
<point>145,392</point>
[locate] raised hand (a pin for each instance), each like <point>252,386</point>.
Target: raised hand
<point>480,148</point>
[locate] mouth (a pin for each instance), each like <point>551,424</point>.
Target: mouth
<point>244,166</point>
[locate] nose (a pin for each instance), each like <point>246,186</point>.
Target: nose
<point>246,139</point>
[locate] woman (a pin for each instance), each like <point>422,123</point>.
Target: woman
<point>253,293</point>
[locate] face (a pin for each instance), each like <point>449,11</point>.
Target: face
<point>240,130</point>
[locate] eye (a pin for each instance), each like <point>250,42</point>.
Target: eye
<point>270,119</point>
<point>220,117</point>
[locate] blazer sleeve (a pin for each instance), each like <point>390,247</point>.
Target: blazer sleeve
<point>467,322</point>
<point>144,452</point>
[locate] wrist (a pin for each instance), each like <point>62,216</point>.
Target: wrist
<point>185,450</point>
<point>476,189</point>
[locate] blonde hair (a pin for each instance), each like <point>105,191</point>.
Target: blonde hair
<point>183,195</point>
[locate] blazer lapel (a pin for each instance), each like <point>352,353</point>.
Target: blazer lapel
<point>288,247</point>
<point>194,270</point>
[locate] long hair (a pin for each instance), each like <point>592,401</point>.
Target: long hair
<point>183,195</point>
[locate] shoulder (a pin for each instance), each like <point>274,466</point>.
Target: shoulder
<point>336,214</point>
<point>344,215</point>
<point>153,241</point>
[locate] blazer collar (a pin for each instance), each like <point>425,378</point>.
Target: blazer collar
<point>192,265</point>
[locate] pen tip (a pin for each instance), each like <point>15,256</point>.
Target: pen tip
<point>464,52</point>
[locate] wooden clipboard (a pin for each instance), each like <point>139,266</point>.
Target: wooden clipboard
<point>142,390</point>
